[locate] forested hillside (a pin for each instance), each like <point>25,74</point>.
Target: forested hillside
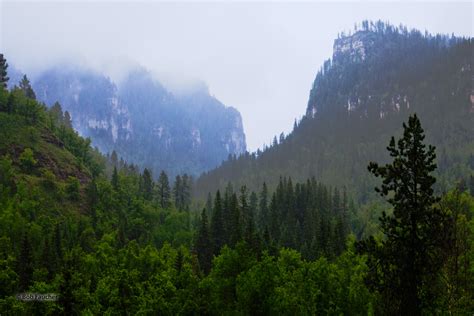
<point>293,230</point>
<point>377,77</point>
<point>102,238</point>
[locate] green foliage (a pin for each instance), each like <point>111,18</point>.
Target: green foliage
<point>6,177</point>
<point>110,241</point>
<point>182,192</point>
<point>203,245</point>
<point>3,72</point>
<point>27,160</point>
<point>72,188</point>
<point>457,273</point>
<point>164,192</point>
<point>406,264</point>
<point>25,86</point>
<point>147,185</point>
<point>217,229</point>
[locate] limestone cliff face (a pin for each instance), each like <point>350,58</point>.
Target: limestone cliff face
<point>353,47</point>
<point>93,102</point>
<point>380,53</point>
<point>144,122</point>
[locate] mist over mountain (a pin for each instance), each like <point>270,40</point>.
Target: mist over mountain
<point>377,77</point>
<point>295,229</point>
<point>184,131</point>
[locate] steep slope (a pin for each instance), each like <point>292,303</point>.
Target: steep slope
<point>143,122</point>
<point>376,78</point>
<point>44,162</point>
<point>58,208</point>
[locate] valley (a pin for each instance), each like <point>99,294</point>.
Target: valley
<point>129,198</point>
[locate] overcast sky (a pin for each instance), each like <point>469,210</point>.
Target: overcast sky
<point>260,58</point>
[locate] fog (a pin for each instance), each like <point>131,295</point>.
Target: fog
<point>260,58</point>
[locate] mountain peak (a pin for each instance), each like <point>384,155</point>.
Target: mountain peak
<point>353,46</point>
<point>144,122</point>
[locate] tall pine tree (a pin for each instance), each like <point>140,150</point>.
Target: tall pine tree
<point>404,265</point>
<point>25,86</point>
<point>217,225</point>
<point>147,185</point>
<point>3,72</point>
<point>164,192</point>
<point>115,179</point>
<point>25,263</point>
<point>263,207</point>
<point>177,192</point>
<point>203,246</point>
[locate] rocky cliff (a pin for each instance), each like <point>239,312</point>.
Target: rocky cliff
<point>143,122</point>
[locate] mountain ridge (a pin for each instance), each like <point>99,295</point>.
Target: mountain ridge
<point>358,100</point>
<point>146,124</point>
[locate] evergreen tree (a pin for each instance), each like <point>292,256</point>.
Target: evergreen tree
<point>336,201</point>
<point>25,264</point>
<point>345,211</point>
<point>274,225</point>
<point>58,250</point>
<point>164,192</point>
<point>67,120</point>
<point>47,258</point>
<point>217,225</point>
<point>56,113</point>
<point>253,203</point>
<point>114,158</point>
<point>115,179</point>
<point>182,192</point>
<point>404,266</point>
<point>121,229</point>
<point>234,224</point>
<point>147,185</point>
<point>3,72</point>
<point>203,245</point>
<point>11,103</point>
<point>282,138</point>
<point>66,296</point>
<point>226,211</point>
<point>339,235</point>
<point>178,265</point>
<point>177,192</point>
<point>25,86</point>
<point>209,204</point>
<point>250,235</point>
<point>186,191</point>
<point>124,292</point>
<point>263,207</point>
<point>471,185</point>
<point>244,206</point>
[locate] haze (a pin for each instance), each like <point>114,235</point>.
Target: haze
<point>260,58</point>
